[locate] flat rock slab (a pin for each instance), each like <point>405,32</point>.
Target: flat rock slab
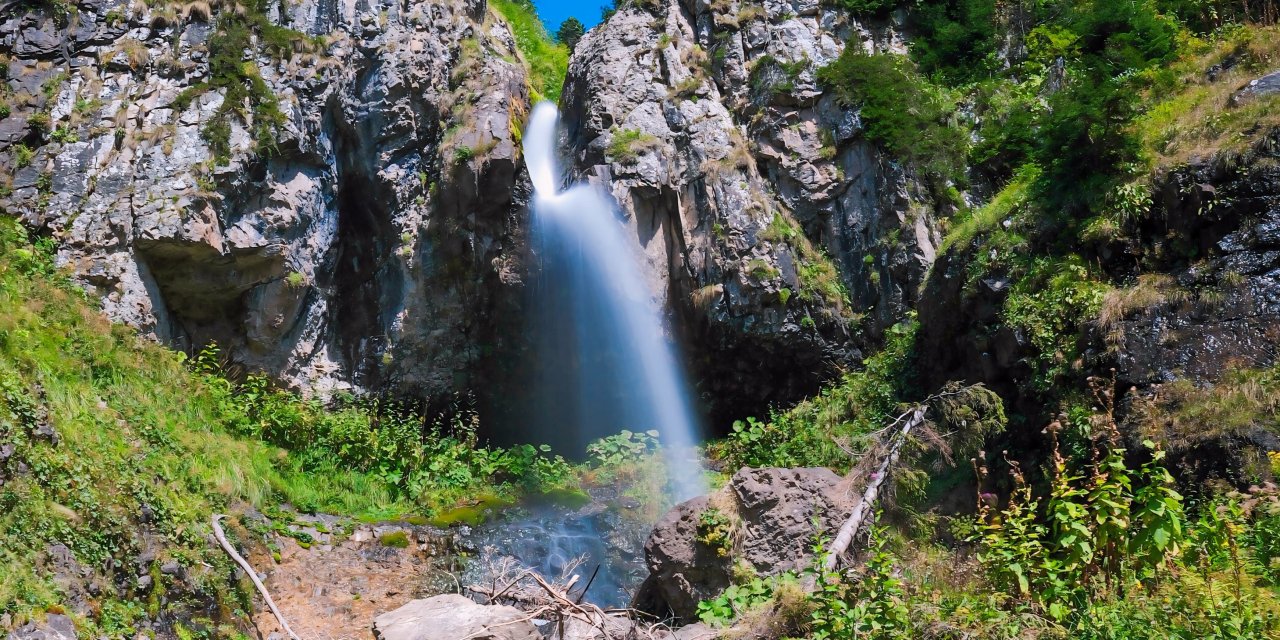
<point>450,617</point>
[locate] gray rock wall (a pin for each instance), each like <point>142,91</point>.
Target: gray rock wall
<point>379,241</point>
<point>369,248</point>
<point>781,239</point>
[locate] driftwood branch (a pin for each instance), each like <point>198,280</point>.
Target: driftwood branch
<point>253,575</point>
<point>540,598</point>
<point>909,420</point>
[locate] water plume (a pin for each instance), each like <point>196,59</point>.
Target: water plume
<point>606,364</point>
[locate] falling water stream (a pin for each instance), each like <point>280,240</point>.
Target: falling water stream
<point>625,374</point>
<point>604,364</point>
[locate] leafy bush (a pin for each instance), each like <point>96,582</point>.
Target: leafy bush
<point>865,7</point>
<point>622,448</point>
<point>1114,551</point>
<point>737,600</point>
<point>901,110</point>
<point>956,40</point>
<point>1047,302</point>
<point>871,604</point>
<point>810,433</point>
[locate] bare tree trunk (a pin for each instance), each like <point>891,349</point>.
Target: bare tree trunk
<point>868,501</point>
<point>253,575</point>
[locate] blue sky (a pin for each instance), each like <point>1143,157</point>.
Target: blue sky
<point>553,12</point>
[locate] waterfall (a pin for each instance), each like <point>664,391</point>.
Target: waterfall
<point>606,364</point>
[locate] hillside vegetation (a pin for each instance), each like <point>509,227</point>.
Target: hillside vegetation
<point>1059,128</point>
<point>119,451</point>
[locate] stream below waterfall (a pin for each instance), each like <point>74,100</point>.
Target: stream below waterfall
<point>606,535</point>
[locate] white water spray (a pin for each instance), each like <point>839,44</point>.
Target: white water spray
<point>625,374</point>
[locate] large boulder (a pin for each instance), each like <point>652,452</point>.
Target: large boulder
<point>55,627</point>
<point>768,516</point>
<point>451,616</point>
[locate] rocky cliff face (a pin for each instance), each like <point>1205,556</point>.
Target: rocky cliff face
<point>355,224</point>
<point>354,217</point>
<point>780,238</point>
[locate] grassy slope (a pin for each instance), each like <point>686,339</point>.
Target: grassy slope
<point>546,60</point>
<point>138,434</point>
<point>149,446</point>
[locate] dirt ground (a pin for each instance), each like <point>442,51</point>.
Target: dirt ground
<point>334,590</point>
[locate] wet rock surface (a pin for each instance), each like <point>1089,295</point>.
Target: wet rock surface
<point>550,539</point>
<point>1217,245</point>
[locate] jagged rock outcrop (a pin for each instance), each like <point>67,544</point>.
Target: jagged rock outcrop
<point>1197,300</point>
<point>365,242</point>
<point>756,201</point>
<point>55,627</point>
<point>1214,242</point>
<point>762,521</point>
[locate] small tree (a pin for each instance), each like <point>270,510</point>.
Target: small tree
<point>570,32</point>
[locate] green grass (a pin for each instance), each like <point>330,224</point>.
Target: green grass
<point>626,145</point>
<point>149,446</point>
<point>1194,117</point>
<point>545,60</point>
<point>819,279</point>
<point>134,428</point>
<point>990,216</point>
<point>395,539</point>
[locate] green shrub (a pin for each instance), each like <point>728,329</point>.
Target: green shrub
<point>903,112</point>
<point>22,155</point>
<point>623,447</point>
<point>1111,553</point>
<point>956,40</point>
<point>738,599</point>
<point>808,434</point>
<point>64,135</point>
<point>1047,302</point>
<point>865,7</point>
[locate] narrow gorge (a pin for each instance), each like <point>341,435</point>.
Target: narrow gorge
<point>964,321</point>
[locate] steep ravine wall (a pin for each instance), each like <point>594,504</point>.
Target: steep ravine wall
<point>368,248</point>
<point>376,241</point>
<point>781,239</point>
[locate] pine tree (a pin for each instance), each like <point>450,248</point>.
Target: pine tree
<point>570,32</point>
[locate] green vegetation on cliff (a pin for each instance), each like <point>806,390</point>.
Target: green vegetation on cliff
<point>545,59</point>
<point>1059,115</point>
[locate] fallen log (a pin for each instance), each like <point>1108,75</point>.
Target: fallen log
<point>910,420</point>
<point>253,575</point>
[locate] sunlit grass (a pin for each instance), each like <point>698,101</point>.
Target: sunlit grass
<point>546,60</point>
<point>1197,119</point>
